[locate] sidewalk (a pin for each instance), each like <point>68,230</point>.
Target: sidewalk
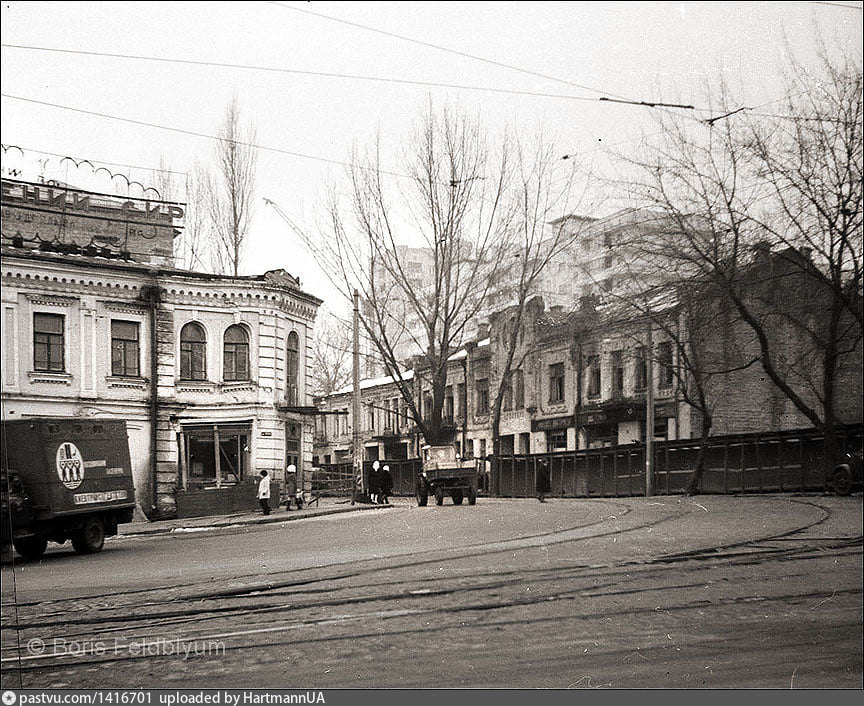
<point>324,506</point>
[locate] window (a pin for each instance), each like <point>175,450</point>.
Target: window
<point>370,417</point>
<point>593,376</point>
<point>556,440</point>
<point>236,353</point>
<point>448,403</point>
<point>640,371</point>
<point>518,383</point>
<point>664,358</point>
<point>556,382</point>
<point>617,372</point>
<point>193,359</point>
<point>292,358</point>
<point>48,343</point>
<point>482,396</point>
<point>124,349</point>
<point>461,393</point>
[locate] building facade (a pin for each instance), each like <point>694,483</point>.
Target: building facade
<point>211,373</point>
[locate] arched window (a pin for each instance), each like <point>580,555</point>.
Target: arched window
<point>236,353</point>
<point>193,352</point>
<point>292,367</point>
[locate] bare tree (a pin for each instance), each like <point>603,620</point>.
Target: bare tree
<point>767,217</point>
<point>331,353</point>
<point>446,209</point>
<point>231,192</point>
<point>541,189</point>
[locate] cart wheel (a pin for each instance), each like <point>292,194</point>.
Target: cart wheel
<point>422,495</point>
<point>30,547</point>
<point>472,496</point>
<point>91,538</point>
<point>841,481</point>
<point>457,497</point>
<point>439,496</point>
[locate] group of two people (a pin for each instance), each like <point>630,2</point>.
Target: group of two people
<point>292,491</point>
<point>380,484</point>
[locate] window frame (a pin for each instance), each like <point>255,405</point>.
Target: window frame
<point>292,368</point>
<point>594,386</point>
<point>121,368</point>
<point>188,351</point>
<point>235,351</point>
<point>51,341</point>
<point>557,383</point>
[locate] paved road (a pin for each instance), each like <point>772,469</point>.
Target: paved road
<point>662,592</point>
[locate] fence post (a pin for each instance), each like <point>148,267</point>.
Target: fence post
<point>758,464</point>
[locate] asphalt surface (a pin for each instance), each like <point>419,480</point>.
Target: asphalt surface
<point>630,592</point>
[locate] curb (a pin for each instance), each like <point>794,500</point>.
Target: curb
<point>239,520</point>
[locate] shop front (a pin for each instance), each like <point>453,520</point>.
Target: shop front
<point>215,470</point>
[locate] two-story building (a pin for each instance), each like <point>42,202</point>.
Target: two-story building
<point>211,373</point>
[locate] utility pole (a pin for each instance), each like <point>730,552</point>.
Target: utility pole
<point>649,414</point>
<point>356,448</point>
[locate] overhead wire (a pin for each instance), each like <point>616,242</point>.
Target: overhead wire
<point>195,133</point>
<point>449,50</point>
<point>325,74</point>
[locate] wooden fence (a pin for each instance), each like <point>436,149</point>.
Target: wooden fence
<point>746,463</point>
<point>753,463</point>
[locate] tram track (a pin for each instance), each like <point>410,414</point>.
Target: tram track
<point>297,608</point>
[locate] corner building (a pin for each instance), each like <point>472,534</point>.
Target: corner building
<point>211,373</point>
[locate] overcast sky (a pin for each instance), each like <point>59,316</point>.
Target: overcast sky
<point>638,51</point>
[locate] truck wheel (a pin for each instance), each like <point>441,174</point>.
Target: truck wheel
<point>457,497</point>
<point>472,496</point>
<point>91,538</point>
<point>422,495</point>
<point>841,481</point>
<point>30,547</point>
<point>439,496</point>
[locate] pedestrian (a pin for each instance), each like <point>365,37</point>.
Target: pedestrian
<point>298,498</point>
<point>543,484</point>
<point>264,492</point>
<point>374,482</point>
<point>386,485</point>
<point>290,485</point>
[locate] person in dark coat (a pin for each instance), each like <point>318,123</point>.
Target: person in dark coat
<point>385,485</point>
<point>544,484</point>
<point>374,482</point>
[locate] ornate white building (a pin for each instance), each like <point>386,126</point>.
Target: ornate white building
<point>211,373</point>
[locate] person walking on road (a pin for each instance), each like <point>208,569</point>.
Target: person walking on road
<point>385,485</point>
<point>543,483</point>
<point>264,492</point>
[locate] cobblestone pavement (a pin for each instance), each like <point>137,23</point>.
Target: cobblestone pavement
<point>713,591</point>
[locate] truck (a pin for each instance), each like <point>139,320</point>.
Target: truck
<point>444,473</point>
<point>63,479</point>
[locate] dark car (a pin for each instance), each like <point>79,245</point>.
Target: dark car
<point>848,475</point>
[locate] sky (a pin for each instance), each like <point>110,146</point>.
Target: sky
<point>348,71</point>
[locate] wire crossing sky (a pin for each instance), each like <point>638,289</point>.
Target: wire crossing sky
<point>143,86</point>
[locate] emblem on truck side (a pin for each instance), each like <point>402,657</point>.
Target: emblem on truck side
<point>70,465</point>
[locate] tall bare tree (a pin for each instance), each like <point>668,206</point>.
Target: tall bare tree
<point>447,203</point>
<point>232,191</point>
<point>540,191</point>
<point>739,187</point>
